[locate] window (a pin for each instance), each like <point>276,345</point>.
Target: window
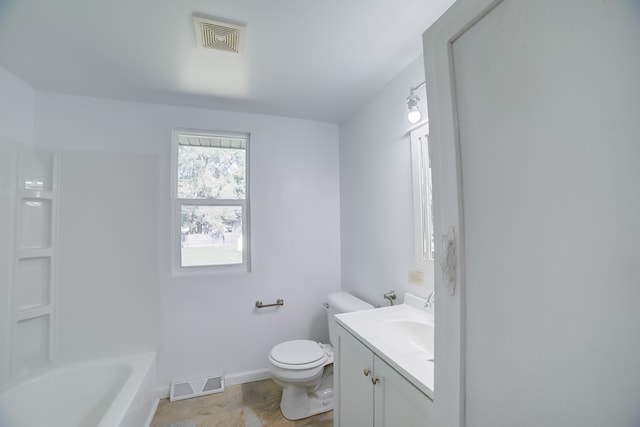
<point>422,201</point>
<point>211,197</point>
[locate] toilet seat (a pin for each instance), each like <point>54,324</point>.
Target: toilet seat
<point>298,355</point>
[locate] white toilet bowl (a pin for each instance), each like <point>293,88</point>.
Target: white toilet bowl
<point>304,369</point>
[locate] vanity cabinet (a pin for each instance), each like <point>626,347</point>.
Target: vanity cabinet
<point>369,392</point>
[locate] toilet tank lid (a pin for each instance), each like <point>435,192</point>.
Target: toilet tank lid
<point>344,302</point>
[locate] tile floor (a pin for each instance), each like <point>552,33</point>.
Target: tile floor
<point>255,404</point>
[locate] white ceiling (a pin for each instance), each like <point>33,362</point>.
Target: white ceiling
<point>303,58</point>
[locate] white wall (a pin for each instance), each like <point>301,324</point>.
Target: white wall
<point>17,103</point>
<point>208,324</point>
<point>108,300</point>
<point>376,194</point>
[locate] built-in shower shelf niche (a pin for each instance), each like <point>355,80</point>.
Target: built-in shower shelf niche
<point>35,255</point>
<point>32,347</point>
<point>33,282</point>
<point>38,170</point>
<point>36,227</point>
<point>36,194</point>
<point>29,313</point>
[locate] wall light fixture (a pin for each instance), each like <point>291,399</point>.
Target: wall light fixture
<point>414,114</point>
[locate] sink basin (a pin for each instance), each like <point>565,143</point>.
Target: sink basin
<point>401,335</point>
<point>407,336</point>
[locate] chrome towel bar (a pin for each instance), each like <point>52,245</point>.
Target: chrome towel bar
<point>259,303</point>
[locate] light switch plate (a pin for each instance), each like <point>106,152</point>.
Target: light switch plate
<point>416,277</point>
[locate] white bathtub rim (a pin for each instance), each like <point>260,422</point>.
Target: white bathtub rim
<point>51,367</point>
<point>152,412</point>
<point>140,364</point>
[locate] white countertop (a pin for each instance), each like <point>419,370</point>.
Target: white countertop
<point>374,328</point>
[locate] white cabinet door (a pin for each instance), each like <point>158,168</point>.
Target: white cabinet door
<point>397,401</point>
<point>354,389</point>
<point>370,393</point>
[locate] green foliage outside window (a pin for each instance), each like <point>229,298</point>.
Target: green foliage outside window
<point>211,173</point>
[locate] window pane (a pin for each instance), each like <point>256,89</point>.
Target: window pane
<point>211,173</point>
<point>211,235</point>
<point>426,191</point>
<point>423,203</point>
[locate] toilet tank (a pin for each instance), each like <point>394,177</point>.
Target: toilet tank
<point>342,302</point>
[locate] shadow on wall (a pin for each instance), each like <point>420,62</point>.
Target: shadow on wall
<point>319,327</point>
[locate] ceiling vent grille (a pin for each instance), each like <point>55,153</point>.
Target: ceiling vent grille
<point>218,35</point>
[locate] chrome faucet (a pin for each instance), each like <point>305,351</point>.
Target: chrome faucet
<point>431,300</point>
<point>391,296</point>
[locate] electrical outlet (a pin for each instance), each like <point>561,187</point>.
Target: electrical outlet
<point>416,277</point>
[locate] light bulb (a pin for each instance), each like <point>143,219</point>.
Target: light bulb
<point>414,116</point>
<point>414,111</point>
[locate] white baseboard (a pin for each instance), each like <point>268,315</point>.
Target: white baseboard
<point>163,392</point>
<point>247,377</point>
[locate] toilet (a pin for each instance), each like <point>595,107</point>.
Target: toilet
<point>304,368</point>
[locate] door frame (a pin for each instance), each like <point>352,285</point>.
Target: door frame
<point>444,147</point>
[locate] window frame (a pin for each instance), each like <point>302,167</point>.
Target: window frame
<point>177,203</point>
<point>422,198</point>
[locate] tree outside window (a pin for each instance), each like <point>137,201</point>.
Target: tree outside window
<point>211,199</point>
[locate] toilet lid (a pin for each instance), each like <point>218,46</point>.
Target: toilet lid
<point>297,352</point>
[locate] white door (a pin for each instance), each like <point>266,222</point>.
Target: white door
<point>535,129</point>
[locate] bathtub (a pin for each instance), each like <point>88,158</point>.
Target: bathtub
<point>115,392</point>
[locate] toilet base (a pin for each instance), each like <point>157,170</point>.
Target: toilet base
<point>301,402</point>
